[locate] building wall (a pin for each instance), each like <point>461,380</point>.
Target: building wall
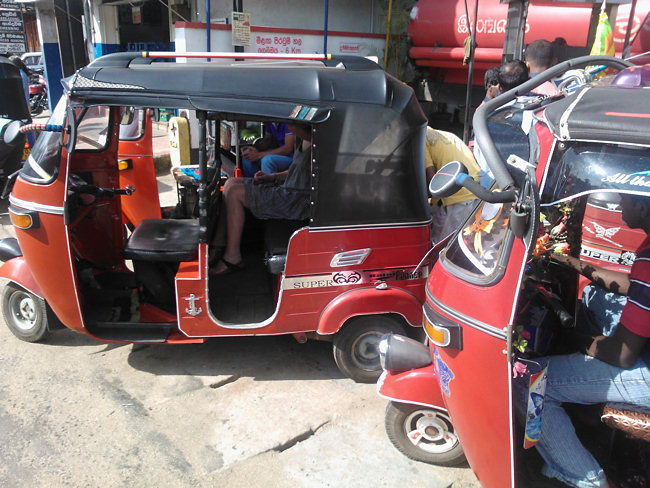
<point>344,15</point>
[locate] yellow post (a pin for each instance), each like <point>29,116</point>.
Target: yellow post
<point>179,141</point>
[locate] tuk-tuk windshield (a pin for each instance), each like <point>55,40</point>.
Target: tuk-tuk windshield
<point>580,168</point>
<point>479,247</point>
<point>43,162</point>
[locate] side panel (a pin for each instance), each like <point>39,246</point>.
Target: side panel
<point>141,174</point>
<point>475,380</point>
<point>45,248</point>
<point>311,284</point>
<point>16,270</point>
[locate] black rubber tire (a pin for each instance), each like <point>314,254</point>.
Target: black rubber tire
<point>356,346</point>
<point>402,418</point>
<point>25,314</point>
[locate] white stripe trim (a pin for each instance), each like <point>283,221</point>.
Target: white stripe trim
<point>634,302</point>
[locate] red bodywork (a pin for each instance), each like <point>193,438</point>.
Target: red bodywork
<point>309,300</point>
<point>438,30</point>
<point>415,386</point>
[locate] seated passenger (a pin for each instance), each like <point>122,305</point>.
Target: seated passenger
<point>611,368</point>
<point>440,148</point>
<point>272,160</point>
<point>281,195</point>
<point>512,74</point>
<point>540,57</point>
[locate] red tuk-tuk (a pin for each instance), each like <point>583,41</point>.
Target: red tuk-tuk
<point>496,306</point>
<point>96,253</point>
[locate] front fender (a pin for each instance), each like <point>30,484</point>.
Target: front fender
<point>369,301</point>
<point>417,386</point>
<point>16,270</point>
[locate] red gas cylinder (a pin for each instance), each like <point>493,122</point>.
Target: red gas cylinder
<point>438,29</point>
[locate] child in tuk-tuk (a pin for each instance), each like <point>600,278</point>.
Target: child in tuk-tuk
<point>608,368</point>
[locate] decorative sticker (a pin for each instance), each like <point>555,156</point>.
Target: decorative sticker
<point>536,390</point>
<point>296,110</point>
<point>303,113</point>
<point>311,113</point>
<point>445,375</point>
<point>353,277</point>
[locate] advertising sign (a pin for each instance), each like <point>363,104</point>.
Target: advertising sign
<point>241,29</point>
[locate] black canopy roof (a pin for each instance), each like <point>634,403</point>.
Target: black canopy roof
<point>603,113</point>
<point>368,156</point>
<point>271,88</point>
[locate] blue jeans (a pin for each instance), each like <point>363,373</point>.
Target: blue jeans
<point>577,378</point>
<point>273,163</point>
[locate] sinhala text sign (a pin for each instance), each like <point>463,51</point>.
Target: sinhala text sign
<point>12,29</point>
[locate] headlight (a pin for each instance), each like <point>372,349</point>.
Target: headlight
<point>398,353</point>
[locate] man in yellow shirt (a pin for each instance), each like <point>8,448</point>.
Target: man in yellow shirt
<point>449,213</point>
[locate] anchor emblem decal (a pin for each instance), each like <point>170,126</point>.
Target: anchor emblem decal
<point>192,310</point>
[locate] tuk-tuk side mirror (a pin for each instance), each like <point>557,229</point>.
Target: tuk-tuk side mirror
<point>71,130</point>
<point>12,131</point>
<point>444,182</point>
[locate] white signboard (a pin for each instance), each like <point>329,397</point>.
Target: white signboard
<point>241,29</point>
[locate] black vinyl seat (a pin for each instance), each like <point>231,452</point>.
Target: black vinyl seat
<point>157,247</point>
<point>167,240</point>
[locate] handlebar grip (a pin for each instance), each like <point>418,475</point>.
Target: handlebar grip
<point>484,194</point>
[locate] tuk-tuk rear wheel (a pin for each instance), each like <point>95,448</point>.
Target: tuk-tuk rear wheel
<point>356,346</point>
<point>25,314</point>
<point>423,434</point>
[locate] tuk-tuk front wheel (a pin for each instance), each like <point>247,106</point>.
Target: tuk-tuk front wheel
<point>356,346</point>
<point>423,434</point>
<point>25,314</point>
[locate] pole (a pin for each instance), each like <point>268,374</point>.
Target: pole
<point>626,45</point>
<point>390,9</point>
<point>325,27</point>
<point>207,26</point>
<point>470,76</point>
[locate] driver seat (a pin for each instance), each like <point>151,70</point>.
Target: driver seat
<point>157,247</point>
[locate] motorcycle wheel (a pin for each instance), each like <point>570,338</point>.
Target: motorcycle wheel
<point>356,346</point>
<point>423,434</point>
<point>25,314</point>
<point>35,105</point>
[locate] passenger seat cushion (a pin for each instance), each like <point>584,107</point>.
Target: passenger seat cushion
<point>164,240</point>
<point>633,420</point>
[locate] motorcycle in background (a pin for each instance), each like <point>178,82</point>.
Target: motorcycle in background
<point>37,94</point>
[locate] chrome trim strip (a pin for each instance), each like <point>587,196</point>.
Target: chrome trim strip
<point>369,226</point>
<point>38,207</point>
<point>466,320</point>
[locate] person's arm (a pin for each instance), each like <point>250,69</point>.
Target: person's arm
<point>614,281</point>
<point>620,349</point>
<point>253,154</point>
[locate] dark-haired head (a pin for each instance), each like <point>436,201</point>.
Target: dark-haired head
<point>512,74</point>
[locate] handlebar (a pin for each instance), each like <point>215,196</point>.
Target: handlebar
<point>483,193</point>
<point>103,192</point>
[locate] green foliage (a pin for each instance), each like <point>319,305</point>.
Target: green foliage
<point>398,63</point>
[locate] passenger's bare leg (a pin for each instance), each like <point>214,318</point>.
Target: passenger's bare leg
<point>235,200</point>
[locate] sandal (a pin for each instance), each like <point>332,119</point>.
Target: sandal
<point>230,267</point>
